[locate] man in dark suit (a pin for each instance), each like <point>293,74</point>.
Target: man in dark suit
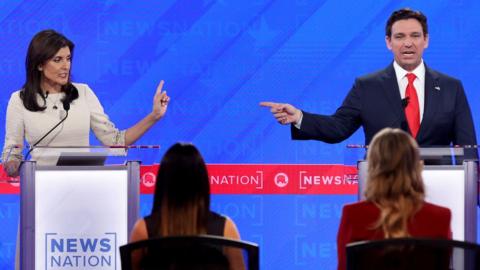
<point>431,106</point>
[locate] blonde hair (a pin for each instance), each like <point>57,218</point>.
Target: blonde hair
<point>394,181</point>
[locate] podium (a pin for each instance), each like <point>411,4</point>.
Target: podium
<point>451,186</point>
<point>76,216</point>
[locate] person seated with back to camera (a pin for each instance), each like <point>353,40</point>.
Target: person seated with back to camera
<point>181,203</point>
<point>395,203</point>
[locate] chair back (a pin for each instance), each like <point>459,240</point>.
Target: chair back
<point>412,254</point>
<point>200,252</point>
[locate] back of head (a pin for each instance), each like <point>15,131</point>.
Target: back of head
<point>405,14</point>
<point>182,192</point>
<point>394,181</point>
<point>43,46</point>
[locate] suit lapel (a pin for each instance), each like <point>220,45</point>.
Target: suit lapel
<point>390,88</point>
<point>432,101</point>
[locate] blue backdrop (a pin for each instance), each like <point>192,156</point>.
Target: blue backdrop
<point>219,59</point>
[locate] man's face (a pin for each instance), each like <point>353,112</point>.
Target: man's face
<point>407,43</point>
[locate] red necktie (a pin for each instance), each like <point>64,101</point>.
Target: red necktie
<point>412,111</point>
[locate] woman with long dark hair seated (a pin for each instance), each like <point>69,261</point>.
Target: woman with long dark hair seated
<point>181,203</point>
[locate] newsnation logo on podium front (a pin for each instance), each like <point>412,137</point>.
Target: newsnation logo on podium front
<point>86,252</point>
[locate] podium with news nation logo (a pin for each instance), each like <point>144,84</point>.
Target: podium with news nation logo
<point>451,186</point>
<point>76,212</point>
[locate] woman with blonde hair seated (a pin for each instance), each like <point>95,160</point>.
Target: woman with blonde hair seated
<point>394,203</point>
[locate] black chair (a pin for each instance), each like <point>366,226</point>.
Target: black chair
<point>412,254</point>
<point>200,252</point>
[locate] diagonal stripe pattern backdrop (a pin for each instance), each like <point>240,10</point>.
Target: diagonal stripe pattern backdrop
<point>219,59</point>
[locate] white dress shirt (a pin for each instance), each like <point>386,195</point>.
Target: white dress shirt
<point>402,81</point>
<point>419,83</point>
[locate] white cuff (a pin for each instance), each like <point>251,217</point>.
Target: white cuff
<point>299,123</point>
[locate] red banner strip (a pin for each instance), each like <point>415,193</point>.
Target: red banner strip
<point>252,179</point>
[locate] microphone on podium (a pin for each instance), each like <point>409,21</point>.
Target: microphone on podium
<point>66,107</point>
<point>405,102</point>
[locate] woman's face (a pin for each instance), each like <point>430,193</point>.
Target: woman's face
<point>56,70</point>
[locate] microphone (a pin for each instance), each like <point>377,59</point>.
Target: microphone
<point>66,107</point>
<point>436,85</point>
<point>404,124</point>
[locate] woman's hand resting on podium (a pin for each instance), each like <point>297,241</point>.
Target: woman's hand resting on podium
<point>11,167</point>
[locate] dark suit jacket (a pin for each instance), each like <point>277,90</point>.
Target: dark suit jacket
<point>374,103</point>
<point>431,221</point>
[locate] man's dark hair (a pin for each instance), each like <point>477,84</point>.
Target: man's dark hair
<point>405,14</point>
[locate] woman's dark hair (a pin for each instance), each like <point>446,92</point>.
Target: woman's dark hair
<point>43,46</point>
<point>182,194</point>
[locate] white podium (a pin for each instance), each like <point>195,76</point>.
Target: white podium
<point>76,217</point>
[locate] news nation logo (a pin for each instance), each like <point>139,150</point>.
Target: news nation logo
<point>311,251</point>
<point>241,179</point>
<point>70,252</point>
<point>308,179</point>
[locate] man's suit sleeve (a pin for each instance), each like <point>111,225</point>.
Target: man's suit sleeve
<point>334,128</point>
<point>464,130</point>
